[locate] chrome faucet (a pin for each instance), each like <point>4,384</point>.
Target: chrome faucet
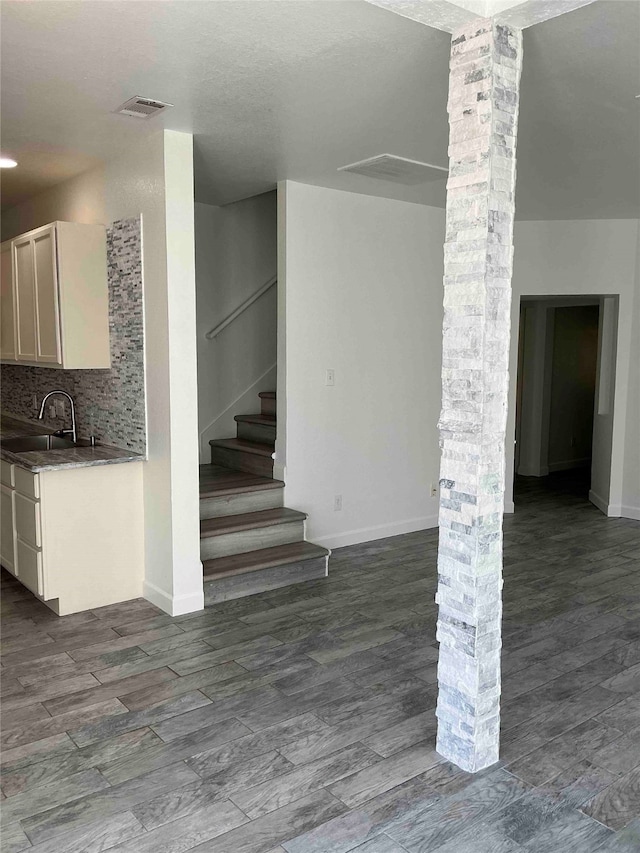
<point>73,431</point>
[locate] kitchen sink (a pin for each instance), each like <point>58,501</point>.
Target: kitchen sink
<point>36,442</point>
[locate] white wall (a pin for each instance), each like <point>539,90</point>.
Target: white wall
<point>599,257</point>
<point>155,180</point>
<point>236,253</point>
<point>360,292</point>
<point>80,199</point>
<point>630,506</point>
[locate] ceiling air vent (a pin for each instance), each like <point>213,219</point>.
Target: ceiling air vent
<point>141,107</point>
<point>388,167</point>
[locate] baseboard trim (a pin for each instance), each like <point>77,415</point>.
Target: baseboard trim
<point>523,471</point>
<point>172,604</point>
<point>600,503</point>
<point>630,512</point>
<point>381,531</point>
<point>568,464</point>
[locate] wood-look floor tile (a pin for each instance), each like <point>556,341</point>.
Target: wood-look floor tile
<point>189,832</point>
<point>90,695</point>
<point>385,774</point>
<point>444,820</point>
<point>103,834</point>
<point>47,725</point>
<point>571,832</point>
<point>13,839</point>
<point>269,830</point>
<point>45,797</point>
<point>74,815</point>
<point>618,804</point>
<point>58,768</point>
<point>271,696</point>
<point>164,754</point>
<point>174,686</point>
<point>127,721</point>
<point>260,799</point>
<point>38,750</point>
<point>203,792</point>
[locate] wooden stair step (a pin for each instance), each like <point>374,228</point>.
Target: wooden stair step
<point>268,403</point>
<point>248,521</point>
<point>216,481</point>
<point>262,420</point>
<point>254,447</point>
<point>265,558</point>
<point>260,428</point>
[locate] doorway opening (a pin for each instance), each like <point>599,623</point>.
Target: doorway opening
<point>564,403</point>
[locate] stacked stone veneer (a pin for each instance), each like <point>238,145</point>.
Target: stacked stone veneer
<point>483,110</point>
<point>110,404</point>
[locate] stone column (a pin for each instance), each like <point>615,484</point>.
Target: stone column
<point>483,112</point>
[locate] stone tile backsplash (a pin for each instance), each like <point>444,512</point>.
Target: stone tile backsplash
<point>110,404</point>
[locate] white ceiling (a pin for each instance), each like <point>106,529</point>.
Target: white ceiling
<point>296,88</point>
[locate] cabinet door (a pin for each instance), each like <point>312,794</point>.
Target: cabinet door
<point>25,298</point>
<point>7,529</point>
<point>47,306</point>
<point>29,562</point>
<point>7,311</point>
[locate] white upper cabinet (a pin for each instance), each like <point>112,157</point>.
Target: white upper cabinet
<point>7,308</point>
<point>55,300</point>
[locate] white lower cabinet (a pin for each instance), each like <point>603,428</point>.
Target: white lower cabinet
<point>29,560</point>
<point>7,528</point>
<point>74,537</point>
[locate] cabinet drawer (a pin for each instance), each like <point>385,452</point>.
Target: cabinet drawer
<point>7,531</point>
<point>6,474</point>
<point>28,520</point>
<point>27,483</point>
<point>30,567</point>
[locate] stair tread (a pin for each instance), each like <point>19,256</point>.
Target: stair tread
<point>217,481</point>
<point>264,558</point>
<point>258,448</point>
<point>267,395</point>
<point>264,420</point>
<point>248,521</point>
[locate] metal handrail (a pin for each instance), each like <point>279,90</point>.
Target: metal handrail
<point>213,333</point>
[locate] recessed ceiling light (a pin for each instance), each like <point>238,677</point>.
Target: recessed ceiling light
<point>7,163</point>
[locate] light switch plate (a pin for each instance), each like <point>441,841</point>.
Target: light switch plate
<point>330,377</point>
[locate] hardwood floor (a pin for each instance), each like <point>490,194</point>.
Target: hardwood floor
<point>301,719</point>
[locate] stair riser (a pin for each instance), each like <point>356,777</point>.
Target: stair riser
<point>251,540</point>
<point>240,503</point>
<point>251,583</point>
<point>268,407</point>
<point>257,432</point>
<point>238,460</point>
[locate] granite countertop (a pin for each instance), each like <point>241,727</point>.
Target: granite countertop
<point>53,460</point>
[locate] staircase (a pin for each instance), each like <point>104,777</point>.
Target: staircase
<point>250,542</point>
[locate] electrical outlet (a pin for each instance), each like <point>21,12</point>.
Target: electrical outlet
<point>330,377</point>
<point>34,402</point>
<point>434,490</point>
<point>51,409</point>
<point>337,503</point>
<point>60,408</point>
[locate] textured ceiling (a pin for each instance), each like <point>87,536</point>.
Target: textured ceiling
<point>295,89</point>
